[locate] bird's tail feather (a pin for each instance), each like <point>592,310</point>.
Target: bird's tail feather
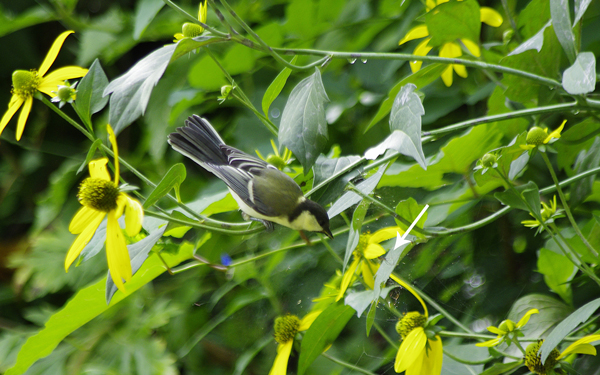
<point>199,141</point>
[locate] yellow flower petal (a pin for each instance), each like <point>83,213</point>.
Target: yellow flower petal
<point>50,82</point>
<point>555,133</point>
<point>460,70</point>
<point>23,117</point>
<point>202,11</point>
<point>51,56</point>
<point>415,33</point>
<point>82,240</point>
<point>422,50</point>
<point>98,169</point>
<point>472,47</point>
<point>581,346</point>
<point>113,141</point>
<point>134,214</point>
<point>432,363</point>
<point>490,343</point>
<point>526,317</point>
<point>178,37</point>
<point>373,251</point>
<point>496,330</point>
<point>82,218</point>
<point>385,234</point>
<point>450,50</point>
<point>117,255</point>
<point>430,4</point>
<point>121,204</point>
<point>412,291</point>
<point>409,350</point>
<point>368,270</point>
<point>308,319</point>
<point>447,76</point>
<point>417,365</point>
<point>13,107</point>
<point>348,275</point>
<point>281,360</point>
<point>490,17</point>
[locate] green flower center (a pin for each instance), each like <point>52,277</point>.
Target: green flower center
<point>277,161</point>
<point>191,30</point>
<point>25,83</point>
<point>410,321</point>
<point>536,136</point>
<point>286,328</point>
<point>101,195</point>
<point>363,242</point>
<point>533,360</point>
<point>65,93</point>
<point>488,160</point>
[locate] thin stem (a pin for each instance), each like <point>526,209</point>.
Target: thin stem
<point>511,19</point>
<point>466,335</point>
<point>195,224</point>
<point>195,20</point>
<point>458,359</point>
<point>330,249</point>
<point>347,365</point>
<point>385,335</point>
<point>563,199</point>
<point>408,57</point>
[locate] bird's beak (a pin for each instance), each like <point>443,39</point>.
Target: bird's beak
<point>328,233</point>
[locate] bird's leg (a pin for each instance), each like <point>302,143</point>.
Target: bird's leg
<point>268,225</point>
<point>305,238</point>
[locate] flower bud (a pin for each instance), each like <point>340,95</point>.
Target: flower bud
<point>536,136</point>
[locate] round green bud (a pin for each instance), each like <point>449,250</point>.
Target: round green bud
<point>533,360</point>
<point>536,136</point>
<point>410,321</point>
<point>286,328</point>
<point>488,160</point>
<point>99,194</point>
<point>276,161</point>
<point>191,30</point>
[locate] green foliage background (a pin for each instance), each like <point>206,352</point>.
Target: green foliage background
<point>205,320</point>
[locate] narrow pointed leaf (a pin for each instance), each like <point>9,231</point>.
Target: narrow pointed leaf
<point>580,78</point>
<point>275,88</point>
<point>90,93</point>
<point>561,20</point>
<point>172,179</point>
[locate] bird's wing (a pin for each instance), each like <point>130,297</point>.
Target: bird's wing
<point>244,161</point>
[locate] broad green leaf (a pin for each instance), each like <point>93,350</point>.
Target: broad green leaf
<point>303,127</point>
<point>452,21</point>
<point>350,198</point>
<point>246,357</point>
<point>138,253</point>
<point>574,139</point>
<point>505,157</point>
<point>225,204</point>
<point>89,93</point>
<point>238,59</point>
<point>558,271</point>
<point>359,301</point>
<point>275,87</point>
<point>323,332</point>
<point>587,160</point>
<point>24,19</point>
<point>580,78</point>
<point>551,312</point>
<point>87,304</point>
<point>172,179</point>
<point>405,124</point>
<point>409,209</point>
<point>564,328</point>
<point>534,43</point>
<point>145,12</point>
<point>130,92</point>
<point>561,20</point>
<point>516,198</point>
<point>497,104</point>
<point>420,79</point>
<point>387,267</point>
<point>187,45</point>
<point>238,302</point>
<point>325,168</point>
<point>518,165</point>
<point>580,8</point>
<point>503,368</point>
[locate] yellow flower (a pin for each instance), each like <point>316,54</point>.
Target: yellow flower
<point>533,359</point>
<point>26,83</point>
<point>507,327</point>
<point>286,328</point>
<point>450,49</point>
<point>421,351</point>
<point>549,214</point>
<point>100,197</point>
<point>275,159</point>
<point>366,252</point>
<point>537,136</point>
<point>192,30</point>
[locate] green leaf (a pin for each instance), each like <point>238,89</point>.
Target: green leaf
<point>468,352</point>
<point>561,20</point>
<point>303,127</point>
<point>89,93</point>
<point>536,42</point>
<point>354,234</point>
<point>240,301</point>
<point>172,179</point>
<point>87,304</point>
<point>586,161</point>
<point>454,20</point>
<point>225,204</point>
<point>324,330</point>
<point>580,78</point>
<point>246,357</point>
<point>350,198</point>
<point>558,271</point>
<point>24,19</point>
<point>90,155</point>
<point>359,301</point>
<point>564,328</point>
<point>138,253</point>
<point>551,311</point>
<point>387,267</point>
<point>503,368</point>
<point>405,124</point>
<point>130,92</point>
<point>515,198</point>
<point>409,209</point>
<point>420,79</point>
<point>371,316</point>
<point>580,8</point>
<point>275,87</point>
<point>145,12</point>
<point>325,168</point>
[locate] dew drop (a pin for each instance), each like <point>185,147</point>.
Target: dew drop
<point>351,61</point>
<point>364,61</point>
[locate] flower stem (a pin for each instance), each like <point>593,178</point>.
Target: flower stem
<point>385,335</point>
<point>347,365</point>
<point>566,206</point>
<point>466,362</point>
<point>194,19</point>
<point>196,224</point>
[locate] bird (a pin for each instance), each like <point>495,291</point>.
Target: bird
<point>263,192</point>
